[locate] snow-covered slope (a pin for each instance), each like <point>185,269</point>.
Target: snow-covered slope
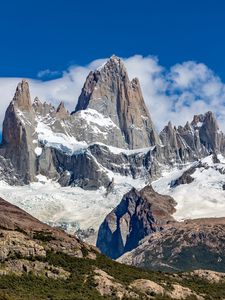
<point>71,208</point>
<point>203,197</point>
<point>76,209</point>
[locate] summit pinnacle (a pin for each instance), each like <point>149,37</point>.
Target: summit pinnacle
<point>109,91</point>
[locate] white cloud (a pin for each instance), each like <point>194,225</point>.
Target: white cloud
<point>176,94</point>
<point>47,73</point>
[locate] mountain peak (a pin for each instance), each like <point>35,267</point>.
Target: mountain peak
<point>113,65</point>
<point>37,102</point>
<point>208,117</point>
<point>115,57</point>
<point>110,92</point>
<point>22,95</point>
<point>61,110</point>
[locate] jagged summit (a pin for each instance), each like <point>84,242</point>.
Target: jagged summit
<point>61,111</point>
<point>139,214</point>
<point>110,92</point>
<point>208,130</point>
<point>208,117</point>
<point>22,96</point>
<point>77,149</point>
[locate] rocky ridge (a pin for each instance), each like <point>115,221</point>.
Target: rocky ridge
<point>192,244</point>
<point>138,215</point>
<point>23,235</point>
<point>110,131</point>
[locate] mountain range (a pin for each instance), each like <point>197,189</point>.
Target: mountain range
<point>120,181</point>
<point>78,149</point>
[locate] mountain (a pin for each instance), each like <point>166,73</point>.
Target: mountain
<point>109,91</point>
<point>72,169</point>
<point>188,245</point>
<point>195,140</point>
<point>143,230</point>
<point>45,263</point>
<point>74,149</point>
<point>110,132</point>
<point>136,216</point>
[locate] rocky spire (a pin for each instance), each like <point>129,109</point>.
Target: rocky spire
<point>18,133</point>
<point>109,91</point>
<point>22,96</point>
<point>61,111</point>
<point>37,102</point>
<point>208,130</point>
<point>168,136</point>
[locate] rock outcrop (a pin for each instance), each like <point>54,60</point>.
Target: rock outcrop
<point>209,133</point>
<point>138,215</point>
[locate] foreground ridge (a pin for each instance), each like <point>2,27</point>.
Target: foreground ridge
<point>55,265</point>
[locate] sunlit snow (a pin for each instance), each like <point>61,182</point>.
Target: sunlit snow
<point>73,206</point>
<point>204,197</point>
<point>79,209</point>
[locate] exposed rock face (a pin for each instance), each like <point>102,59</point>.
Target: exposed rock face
<point>195,140</point>
<point>8,173</point>
<point>209,275</point>
<point>39,139</point>
<point>193,244</point>
<point>209,131</point>
<point>186,177</point>
<point>180,292</point>
<point>138,215</point>
<point>20,267</point>
<point>17,145</point>
<point>107,286</point>
<point>148,286</point>
<point>110,92</point>
<point>14,244</point>
<point>151,288</point>
<point>61,111</point>
<point>22,96</point>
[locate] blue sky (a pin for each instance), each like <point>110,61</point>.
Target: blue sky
<point>175,47</point>
<point>53,34</point>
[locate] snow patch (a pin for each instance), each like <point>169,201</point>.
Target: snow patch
<point>38,151</point>
<point>92,116</point>
<point>60,141</point>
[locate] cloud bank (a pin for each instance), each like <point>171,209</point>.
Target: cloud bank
<point>174,94</point>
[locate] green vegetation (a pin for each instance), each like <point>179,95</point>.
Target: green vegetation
<point>44,236</point>
<point>201,257</point>
<point>81,285</point>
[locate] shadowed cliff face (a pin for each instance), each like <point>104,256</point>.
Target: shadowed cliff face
<point>138,215</point>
